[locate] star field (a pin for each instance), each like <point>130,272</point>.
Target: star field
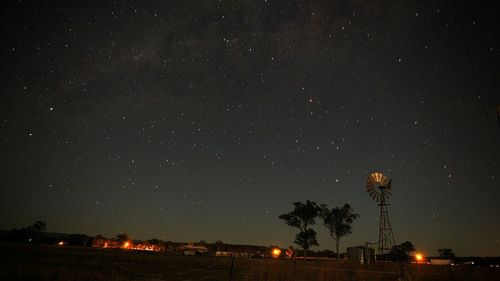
<point>191,120</point>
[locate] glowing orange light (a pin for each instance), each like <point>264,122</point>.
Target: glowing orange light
<point>61,243</point>
<point>126,245</point>
<point>276,252</point>
<point>419,257</point>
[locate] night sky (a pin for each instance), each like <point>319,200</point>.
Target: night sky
<point>191,120</point>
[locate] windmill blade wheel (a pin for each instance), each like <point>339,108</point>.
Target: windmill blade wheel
<point>378,187</point>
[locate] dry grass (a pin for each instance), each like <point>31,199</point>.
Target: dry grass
<point>20,262</point>
<point>331,270</point>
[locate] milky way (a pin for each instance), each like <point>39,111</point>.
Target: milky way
<point>190,120</point>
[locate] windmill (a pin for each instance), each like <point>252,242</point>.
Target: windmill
<point>378,187</point>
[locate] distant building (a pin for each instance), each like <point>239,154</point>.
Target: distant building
<point>237,254</point>
<point>441,262</point>
<point>99,241</point>
<point>191,250</point>
<point>360,254</point>
<point>245,251</point>
<point>145,246</point>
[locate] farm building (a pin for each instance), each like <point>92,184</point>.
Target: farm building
<point>238,254</point>
<point>191,250</point>
<point>99,241</point>
<point>441,262</point>
<point>360,254</point>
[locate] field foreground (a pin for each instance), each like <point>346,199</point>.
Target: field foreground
<point>21,262</point>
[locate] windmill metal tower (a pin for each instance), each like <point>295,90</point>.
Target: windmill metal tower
<point>378,187</point>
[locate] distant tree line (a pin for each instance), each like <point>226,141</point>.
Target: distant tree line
<point>33,233</point>
<point>37,233</point>
<point>401,252</point>
<point>338,221</point>
<point>446,253</point>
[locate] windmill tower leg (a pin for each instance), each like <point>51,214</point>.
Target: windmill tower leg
<point>385,236</point>
<point>381,244</point>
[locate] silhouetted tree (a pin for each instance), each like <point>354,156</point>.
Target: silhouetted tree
<point>218,245</point>
<point>446,253</point>
<point>326,253</point>
<point>78,239</point>
<point>302,217</point>
<point>338,221</point>
<point>19,235</point>
<point>32,233</point>
<point>306,239</point>
<point>123,237</point>
<point>154,241</point>
<point>401,252</point>
<point>407,247</point>
<point>37,230</point>
<point>39,227</point>
<point>397,254</point>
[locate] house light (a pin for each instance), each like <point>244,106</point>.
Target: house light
<point>419,257</point>
<point>276,252</point>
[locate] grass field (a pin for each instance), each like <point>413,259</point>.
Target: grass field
<point>21,262</point>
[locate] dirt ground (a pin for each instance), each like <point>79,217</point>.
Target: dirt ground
<point>37,262</point>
